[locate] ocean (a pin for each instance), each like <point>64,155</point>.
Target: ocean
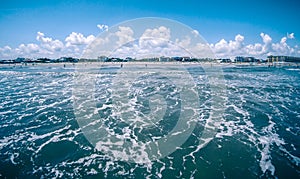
<point>149,121</point>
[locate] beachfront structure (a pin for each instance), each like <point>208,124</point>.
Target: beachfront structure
<point>102,58</point>
<point>128,59</point>
<point>272,58</point>
<point>164,59</point>
<point>113,59</point>
<point>39,60</point>
<point>245,59</point>
<point>225,60</point>
<point>238,59</point>
<point>181,59</point>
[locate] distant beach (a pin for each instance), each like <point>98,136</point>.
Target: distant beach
<point>149,64</point>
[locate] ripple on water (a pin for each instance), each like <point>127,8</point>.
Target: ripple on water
<point>258,135</point>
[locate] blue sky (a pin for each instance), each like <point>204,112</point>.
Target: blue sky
<point>21,20</point>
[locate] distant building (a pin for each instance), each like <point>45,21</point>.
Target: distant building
<point>164,59</point>
<point>177,59</point>
<point>225,60</point>
<point>116,59</point>
<point>102,58</point>
<point>19,60</point>
<point>128,59</point>
<point>283,59</point>
<point>7,61</point>
<point>239,59</point>
<point>68,59</point>
<point>245,59</point>
<point>186,59</point>
<point>44,60</point>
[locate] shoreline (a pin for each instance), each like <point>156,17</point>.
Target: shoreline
<point>121,64</point>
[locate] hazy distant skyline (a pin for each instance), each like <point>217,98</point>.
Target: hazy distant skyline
<point>54,28</point>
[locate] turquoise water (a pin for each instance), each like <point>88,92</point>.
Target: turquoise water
<point>257,135</point>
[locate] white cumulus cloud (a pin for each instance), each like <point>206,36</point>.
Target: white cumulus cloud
<point>195,32</point>
<point>160,33</point>
<point>29,48</point>
<point>152,42</point>
<point>184,43</point>
<point>125,35</point>
<point>236,47</point>
<point>48,47</point>
<point>233,47</point>
<point>78,39</point>
<point>290,36</point>
<point>157,37</point>
<point>48,43</point>
<point>103,27</point>
<point>266,38</point>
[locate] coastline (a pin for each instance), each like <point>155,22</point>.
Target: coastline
<point>135,63</point>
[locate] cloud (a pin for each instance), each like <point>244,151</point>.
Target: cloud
<point>195,33</point>
<point>233,47</point>
<point>23,50</point>
<point>239,38</point>
<point>78,39</point>
<point>41,37</point>
<point>237,44</point>
<point>125,35</point>
<point>5,49</point>
<point>290,36</point>
<point>184,43</point>
<point>221,46</point>
<point>135,50</point>
<point>236,47</point>
<point>48,43</point>
<point>266,38</point>
<point>283,40</point>
<point>29,48</point>
<point>160,33</point>
<point>102,27</point>
<point>254,49</point>
<point>152,42</point>
<point>49,47</point>
<point>157,37</point>
<point>6,52</point>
